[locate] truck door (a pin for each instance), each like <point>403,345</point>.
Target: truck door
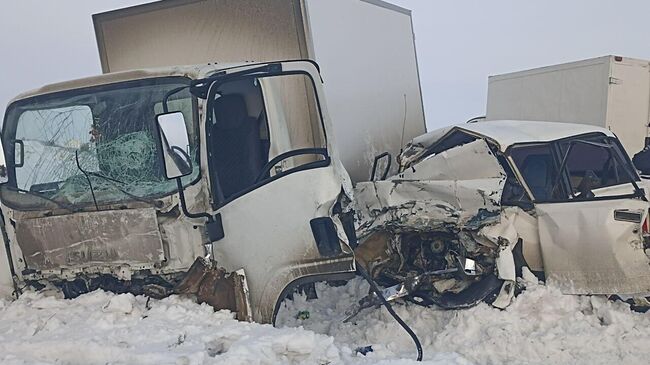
<point>275,181</point>
<point>7,286</point>
<point>591,215</point>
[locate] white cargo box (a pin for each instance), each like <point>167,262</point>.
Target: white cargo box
<point>365,49</point>
<point>611,92</point>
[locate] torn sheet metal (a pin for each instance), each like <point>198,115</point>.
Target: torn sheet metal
<point>445,190</point>
<point>81,240</point>
<point>218,288</point>
<point>427,220</point>
<point>505,235</point>
<point>425,205</point>
<point>587,251</point>
<point>471,161</point>
<point>417,147</point>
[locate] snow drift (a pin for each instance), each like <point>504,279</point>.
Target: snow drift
<point>541,326</point>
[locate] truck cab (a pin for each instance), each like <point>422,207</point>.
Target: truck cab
<point>91,201</point>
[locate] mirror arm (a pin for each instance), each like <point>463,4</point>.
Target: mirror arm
<point>183,204</point>
<point>214,226</point>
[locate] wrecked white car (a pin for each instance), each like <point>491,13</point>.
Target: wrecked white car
<point>474,204</point>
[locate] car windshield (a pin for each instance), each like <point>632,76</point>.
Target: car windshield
<point>592,166</point>
<point>100,137</point>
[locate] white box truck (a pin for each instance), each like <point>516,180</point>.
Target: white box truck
<point>365,50</point>
<point>244,157</point>
<point>612,92</point>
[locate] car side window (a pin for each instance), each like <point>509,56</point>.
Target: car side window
<point>513,192</point>
<point>591,164</point>
<point>539,171</point>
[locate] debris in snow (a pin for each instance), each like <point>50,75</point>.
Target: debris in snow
<point>122,303</point>
<point>215,348</point>
<point>541,326</point>
<point>363,350</point>
<point>302,315</point>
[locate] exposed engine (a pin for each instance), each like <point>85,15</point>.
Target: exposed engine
<point>448,270</point>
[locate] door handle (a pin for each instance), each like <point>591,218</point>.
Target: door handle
<point>626,215</point>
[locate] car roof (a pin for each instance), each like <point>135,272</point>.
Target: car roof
<point>509,132</point>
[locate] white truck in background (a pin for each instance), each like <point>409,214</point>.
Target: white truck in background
<point>611,92</point>
<point>245,158</point>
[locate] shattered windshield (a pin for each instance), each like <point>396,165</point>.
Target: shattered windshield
<point>101,137</point>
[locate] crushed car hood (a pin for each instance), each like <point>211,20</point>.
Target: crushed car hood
<point>435,193</point>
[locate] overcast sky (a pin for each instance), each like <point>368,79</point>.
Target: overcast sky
<point>460,43</point>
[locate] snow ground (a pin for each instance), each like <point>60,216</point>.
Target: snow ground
<point>541,326</point>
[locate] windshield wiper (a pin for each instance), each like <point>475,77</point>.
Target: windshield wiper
<point>70,208</point>
<point>115,183</point>
<point>112,181</point>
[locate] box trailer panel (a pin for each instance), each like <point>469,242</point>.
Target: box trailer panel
<point>365,48</point>
<point>574,92</point>
<point>628,105</point>
<point>367,55</point>
<point>184,32</point>
<point>611,92</point>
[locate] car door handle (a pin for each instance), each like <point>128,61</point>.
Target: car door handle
<point>625,215</point>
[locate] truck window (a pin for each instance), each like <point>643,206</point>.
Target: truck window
<point>256,119</point>
<point>109,129</point>
<point>50,136</point>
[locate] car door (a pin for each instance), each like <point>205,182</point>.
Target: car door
<point>275,185</point>
<point>595,247</point>
<point>592,239</point>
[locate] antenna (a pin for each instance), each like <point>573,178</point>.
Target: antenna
<point>401,146</point>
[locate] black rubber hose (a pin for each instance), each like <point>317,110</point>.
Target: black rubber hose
<point>390,310</point>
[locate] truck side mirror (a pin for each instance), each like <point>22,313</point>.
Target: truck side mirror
<point>4,175</point>
<point>175,143</point>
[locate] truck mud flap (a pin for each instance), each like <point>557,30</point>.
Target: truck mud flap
<point>217,287</point>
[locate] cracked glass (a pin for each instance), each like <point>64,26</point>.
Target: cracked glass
<point>99,140</point>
